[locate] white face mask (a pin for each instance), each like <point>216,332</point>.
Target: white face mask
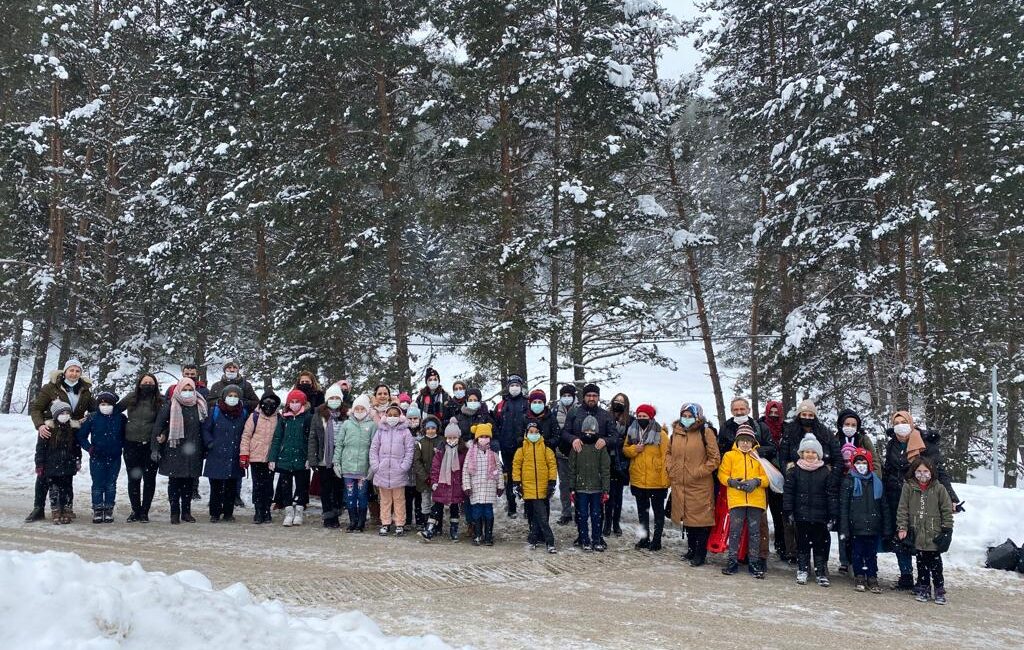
<point>452,442</point>
<point>567,400</point>
<point>106,409</point>
<point>334,403</point>
<point>459,394</point>
<point>392,420</point>
<point>533,437</point>
<point>295,406</point>
<point>862,468</point>
<point>359,413</point>
<point>740,419</point>
<point>71,383</point>
<point>231,375</point>
<point>849,431</point>
<point>902,430</point>
<point>64,417</point>
<point>923,477</point>
<point>433,384</point>
<point>515,390</point>
<point>231,400</point>
<point>472,406</point>
<point>187,394</point>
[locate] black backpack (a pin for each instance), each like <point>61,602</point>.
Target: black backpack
<point>1005,557</point>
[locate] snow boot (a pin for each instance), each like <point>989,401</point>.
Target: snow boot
<point>923,594</point>
<point>488,532</point>
<point>732,567</point>
<point>644,543</point>
<point>821,571</point>
<point>383,531</point>
<point>616,529</point>
<point>758,569</point>
<point>175,517</point>
<point>803,565</point>
<point>601,546</point>
<point>565,519</point>
<point>427,532</point>
<point>453,530</point>
<point>298,518</point>
<point>905,583</point>
<point>801,577</point>
<point>55,515</point>
<point>655,541</point>
<point>289,516</point>
<point>476,529</point>
<point>607,529</point>
<point>97,515</point>
<point>873,586</point>
<point>186,512</point>
<point>861,583</point>
<point>239,503</point>
<point>37,514</point>
<point>940,596</point>
<point>399,531</point>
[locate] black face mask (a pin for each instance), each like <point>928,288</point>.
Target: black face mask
<point>643,424</point>
<point>807,423</point>
<point>589,437</point>
<point>145,390</point>
<point>617,407</point>
<point>307,389</point>
<point>268,408</point>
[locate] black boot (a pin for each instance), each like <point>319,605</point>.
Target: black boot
<point>700,553</point>
<point>656,540</point>
<point>691,543</point>
<point>644,543</point>
<point>616,528</point>
<point>607,530</point>
<point>186,511</point>
<point>453,530</point>
<point>427,532</point>
<point>476,529</point>
<point>37,514</point>
<point>905,583</point>
<point>175,516</point>
<point>732,567</point>
<point>488,532</point>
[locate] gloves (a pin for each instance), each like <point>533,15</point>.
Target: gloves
<point>433,487</point>
<point>501,491</point>
<point>243,462</point>
<point>39,470</point>
<point>551,488</point>
<point>831,524</point>
<point>750,486</point>
<point>572,497</point>
<point>517,489</point>
<point>735,483</point>
<point>272,466</point>
<point>943,540</point>
<point>337,471</point>
<point>155,457</point>
<point>604,498</point>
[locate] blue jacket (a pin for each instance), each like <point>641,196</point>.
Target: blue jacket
<point>510,421</point>
<point>104,434</point>
<point>222,437</point>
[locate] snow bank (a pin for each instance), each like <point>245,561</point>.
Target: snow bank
<point>991,515</point>
<point>58,600</point>
<point>17,451</point>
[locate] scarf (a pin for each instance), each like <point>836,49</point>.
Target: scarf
<point>859,479</point>
<point>810,465</point>
<point>650,436</point>
<point>329,433</point>
<point>492,464</point>
<point>230,411</point>
<point>915,443</point>
<point>176,430</point>
<point>449,464</point>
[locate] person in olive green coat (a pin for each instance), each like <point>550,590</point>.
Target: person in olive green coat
<point>925,517</point>
<point>589,482</point>
<point>141,408</point>
<point>423,460</point>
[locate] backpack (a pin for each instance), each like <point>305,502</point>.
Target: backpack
<point>1003,557</point>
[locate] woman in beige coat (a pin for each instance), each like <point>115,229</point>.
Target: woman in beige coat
<point>692,460</point>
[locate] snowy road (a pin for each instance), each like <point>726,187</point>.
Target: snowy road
<point>508,596</point>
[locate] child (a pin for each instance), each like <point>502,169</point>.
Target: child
<point>413,500</point>
<point>482,481</point>
<point>745,478</point>
<point>924,520</point>
<point>352,461</point>
<point>222,440</point>
<point>58,459</point>
<point>534,472</point>
<point>808,500</point>
<point>102,435</point>
<point>863,519</point>
<point>257,436</point>
<point>423,461</point>
<point>446,471</point>
<point>589,482</point>
<point>391,452</point>
<point>288,457</point>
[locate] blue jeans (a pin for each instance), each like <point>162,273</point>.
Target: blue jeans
<point>479,512</point>
<point>357,493</point>
<point>864,551</point>
<point>104,473</point>
<point>589,510</point>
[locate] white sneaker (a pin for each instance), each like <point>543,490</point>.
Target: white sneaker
<point>297,521</point>
<point>801,577</point>
<point>289,516</point>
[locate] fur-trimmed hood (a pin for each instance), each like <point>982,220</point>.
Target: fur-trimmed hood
<point>57,377</point>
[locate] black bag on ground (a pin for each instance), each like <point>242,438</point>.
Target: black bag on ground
<point>1020,560</point>
<point>1004,557</point>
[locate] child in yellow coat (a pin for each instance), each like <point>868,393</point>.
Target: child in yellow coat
<point>741,472</point>
<point>534,472</point>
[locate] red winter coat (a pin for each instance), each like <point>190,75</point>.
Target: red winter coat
<point>447,494</point>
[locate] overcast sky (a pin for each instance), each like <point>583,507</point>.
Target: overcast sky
<point>685,58</point>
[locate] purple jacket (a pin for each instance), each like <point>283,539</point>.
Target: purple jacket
<point>447,494</point>
<point>391,453</point>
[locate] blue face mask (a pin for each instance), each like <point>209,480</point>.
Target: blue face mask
<point>537,407</point>
<point>567,400</point>
<point>687,422</point>
<point>459,394</point>
<point>472,406</point>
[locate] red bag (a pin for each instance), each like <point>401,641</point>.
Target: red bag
<point>718,542</point>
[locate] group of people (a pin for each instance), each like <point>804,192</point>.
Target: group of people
<point>391,460</point>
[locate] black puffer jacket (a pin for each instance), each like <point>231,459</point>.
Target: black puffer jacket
<point>896,466</point>
<point>793,433</point>
<point>60,454</point>
<point>810,496</point>
<point>863,515</point>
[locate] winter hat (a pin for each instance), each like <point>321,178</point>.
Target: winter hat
<point>807,406</point>
<point>452,429</point>
<point>395,406</point>
<point>229,362</point>
<point>344,383</point>
<point>404,397</point>
<point>271,397</point>
<point>538,394</point>
<point>430,372</point>
<point>414,412</point>
<point>591,388</point>
<point>72,363</point>
<point>693,407</point>
<point>106,397</point>
<point>233,388</point>
<point>567,389</point>
<point>362,400</point>
<point>296,395</point>
<point>334,390</point>
<point>810,442</point>
<point>515,379</point>
<point>647,410</point>
<point>746,430</point>
<point>848,451</point>
<point>847,413</point>
<point>589,424</point>
<point>57,407</point>
<point>860,452</point>
<point>430,422</point>
<point>482,430</point>
<point>474,392</point>
<point>532,424</point>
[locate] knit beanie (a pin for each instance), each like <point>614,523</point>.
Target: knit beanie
<point>807,406</point>
<point>452,429</point>
<point>646,409</point>
<point>567,389</point>
<point>589,424</point>
<point>334,390</point>
<point>57,407</point>
<point>72,363</point>
<point>233,388</point>
<point>482,430</point>
<point>106,397</point>
<point>746,430</point>
<point>538,394</point>
<point>413,412</point>
<point>810,442</point>
<point>363,400</point>
<point>591,388</point>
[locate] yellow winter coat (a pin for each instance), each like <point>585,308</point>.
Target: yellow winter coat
<point>736,464</point>
<point>533,466</point>
<point>648,468</point>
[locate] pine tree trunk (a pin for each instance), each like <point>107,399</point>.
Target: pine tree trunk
<point>755,315</point>
<point>1013,442</point>
<point>12,368</point>
<point>787,369</point>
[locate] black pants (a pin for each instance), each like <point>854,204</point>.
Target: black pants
<point>778,522</point>
<point>179,493</point>
<point>647,500</point>
<point>413,502</point>
<point>287,481</point>
<point>538,512</point>
<point>60,491</point>
<point>506,462</point>
<point>812,535</point>
<point>929,569</point>
<point>332,491</point>
<point>222,496</point>
<point>141,472</point>
<point>613,509</point>
<point>437,513</point>
<point>262,487</point>
<point>42,487</point>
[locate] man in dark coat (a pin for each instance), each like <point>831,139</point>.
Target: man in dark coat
<point>232,375</point>
<point>510,425</point>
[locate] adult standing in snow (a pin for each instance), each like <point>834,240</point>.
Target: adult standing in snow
<point>692,459</point>
<point>222,438</point>
<point>560,410</point>
<point>646,445</point>
<point>607,432</point>
<point>70,386</point>
<point>191,371</point>
<point>785,537</point>
<point>510,423</point>
<point>310,385</point>
<point>455,402</point>
<point>324,432</point>
<point>141,407</point>
<point>233,377</point>
<point>177,445</point>
<point>906,442</point>
<point>621,419</point>
<point>432,399</point>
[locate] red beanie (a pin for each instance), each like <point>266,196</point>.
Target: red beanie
<point>646,409</point>
<point>538,394</point>
<point>296,395</point>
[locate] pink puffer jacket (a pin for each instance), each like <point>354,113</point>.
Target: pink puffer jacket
<point>391,453</point>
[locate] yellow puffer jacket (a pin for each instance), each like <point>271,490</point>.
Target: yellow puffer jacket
<point>533,466</point>
<point>648,469</point>
<point>736,464</point>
